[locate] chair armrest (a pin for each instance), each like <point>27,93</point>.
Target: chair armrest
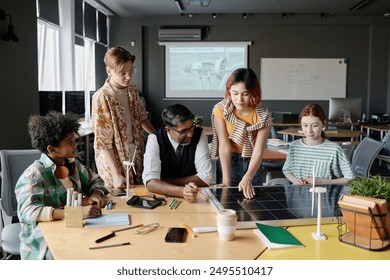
<point>384,158</point>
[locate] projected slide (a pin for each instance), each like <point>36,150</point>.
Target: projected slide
<point>200,69</point>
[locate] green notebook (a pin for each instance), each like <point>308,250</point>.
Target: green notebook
<point>276,237</point>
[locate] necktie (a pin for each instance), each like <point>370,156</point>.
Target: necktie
<point>179,151</point>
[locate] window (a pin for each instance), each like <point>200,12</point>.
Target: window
<point>48,56</point>
<point>68,33</point>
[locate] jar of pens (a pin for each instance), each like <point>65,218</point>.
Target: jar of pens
<point>73,209</point>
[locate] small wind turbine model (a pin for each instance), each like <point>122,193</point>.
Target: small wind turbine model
<point>318,235</point>
<point>129,165</point>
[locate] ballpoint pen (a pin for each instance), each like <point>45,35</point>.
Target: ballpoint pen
<point>108,236</point>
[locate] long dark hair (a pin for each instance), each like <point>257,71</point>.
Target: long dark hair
<point>249,78</point>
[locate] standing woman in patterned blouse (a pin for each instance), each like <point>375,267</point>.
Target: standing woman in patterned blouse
<point>119,120</point>
<point>240,130</point>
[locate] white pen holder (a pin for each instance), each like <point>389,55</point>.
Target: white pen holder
<point>73,216</point>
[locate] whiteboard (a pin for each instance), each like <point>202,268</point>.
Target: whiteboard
<point>303,78</point>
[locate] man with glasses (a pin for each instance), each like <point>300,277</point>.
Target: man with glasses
<point>177,159</point>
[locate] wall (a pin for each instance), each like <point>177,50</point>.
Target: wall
<point>19,75</point>
<point>363,40</point>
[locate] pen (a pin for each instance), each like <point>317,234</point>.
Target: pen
<point>196,191</point>
<point>108,236</point>
<point>126,228</point>
<point>177,204</point>
<point>109,246</point>
<point>189,230</point>
<point>172,203</point>
<point>173,206</point>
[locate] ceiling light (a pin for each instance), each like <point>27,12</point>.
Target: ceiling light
<point>244,16</point>
<point>190,15</point>
<point>284,15</point>
<point>179,5</point>
<point>359,5</point>
<point>323,15</point>
<point>214,15</point>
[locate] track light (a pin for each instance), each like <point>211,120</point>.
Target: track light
<point>10,35</point>
<point>190,15</point>
<point>244,16</point>
<point>179,5</point>
<point>323,15</point>
<point>284,15</point>
<point>359,5</point>
<point>214,15</point>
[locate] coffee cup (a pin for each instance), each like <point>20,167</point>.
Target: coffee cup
<point>226,224</point>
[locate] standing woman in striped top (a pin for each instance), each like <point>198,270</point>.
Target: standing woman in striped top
<point>314,151</point>
<point>241,126</point>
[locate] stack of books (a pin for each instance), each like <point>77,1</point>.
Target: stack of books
<point>367,221</point>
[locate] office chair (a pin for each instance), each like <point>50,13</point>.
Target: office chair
<point>279,182</point>
<point>13,164</point>
<point>381,165</point>
<point>364,155</point>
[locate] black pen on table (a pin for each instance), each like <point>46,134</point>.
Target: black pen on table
<point>108,236</point>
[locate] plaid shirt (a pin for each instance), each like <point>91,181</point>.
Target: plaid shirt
<point>38,188</point>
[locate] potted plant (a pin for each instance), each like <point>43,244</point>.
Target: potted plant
<point>197,120</point>
<point>375,186</point>
<point>366,213</point>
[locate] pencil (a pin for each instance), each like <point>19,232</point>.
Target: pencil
<point>126,228</point>
<point>177,204</point>
<point>109,246</point>
<point>196,191</point>
<point>189,230</point>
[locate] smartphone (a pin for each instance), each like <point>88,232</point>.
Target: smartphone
<point>175,234</point>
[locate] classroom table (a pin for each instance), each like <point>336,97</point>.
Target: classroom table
<point>73,243</point>
<point>381,128</point>
<point>340,133</point>
<point>330,249</point>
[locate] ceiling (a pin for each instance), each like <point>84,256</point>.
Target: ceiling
<point>153,8</point>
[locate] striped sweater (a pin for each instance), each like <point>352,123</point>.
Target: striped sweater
<point>328,159</point>
<point>242,134</point>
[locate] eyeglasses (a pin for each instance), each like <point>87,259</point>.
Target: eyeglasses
<point>147,228</point>
<point>184,132</point>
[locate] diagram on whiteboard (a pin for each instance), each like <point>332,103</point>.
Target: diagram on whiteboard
<point>303,78</point>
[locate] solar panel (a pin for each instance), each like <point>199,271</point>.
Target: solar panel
<point>278,205</point>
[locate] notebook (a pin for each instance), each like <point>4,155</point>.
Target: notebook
<point>112,219</point>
